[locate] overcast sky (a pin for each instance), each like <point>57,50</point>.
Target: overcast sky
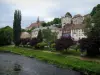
<point>45,9</point>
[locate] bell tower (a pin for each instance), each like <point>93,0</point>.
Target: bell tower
<point>38,21</point>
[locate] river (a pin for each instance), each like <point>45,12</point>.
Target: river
<point>29,66</point>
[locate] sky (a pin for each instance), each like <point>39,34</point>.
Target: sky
<point>47,10</point>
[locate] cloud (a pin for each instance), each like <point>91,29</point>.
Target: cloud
<point>45,9</point>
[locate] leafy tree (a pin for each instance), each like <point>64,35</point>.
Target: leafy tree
<point>40,37</point>
<point>6,35</point>
<point>90,45</point>
<point>68,14</point>
<point>23,30</point>
<point>49,36</point>
<point>44,24</point>
<point>88,26</point>
<point>17,27</point>
<point>57,21</point>
<point>63,43</point>
<point>95,9</point>
<point>94,26</point>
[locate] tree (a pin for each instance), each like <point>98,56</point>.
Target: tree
<point>68,14</point>
<point>94,28</point>
<point>63,43</point>
<point>6,35</point>
<point>40,37</point>
<point>90,45</point>
<point>17,27</point>
<point>88,26</point>
<point>44,24</point>
<point>49,36</point>
<point>57,21</point>
<point>95,9</point>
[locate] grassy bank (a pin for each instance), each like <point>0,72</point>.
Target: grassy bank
<point>58,59</point>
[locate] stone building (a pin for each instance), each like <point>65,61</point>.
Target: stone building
<point>77,19</point>
<point>77,32</point>
<point>73,27</point>
<point>67,19</point>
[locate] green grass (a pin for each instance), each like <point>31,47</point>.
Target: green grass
<point>64,61</point>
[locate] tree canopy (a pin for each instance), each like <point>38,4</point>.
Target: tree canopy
<point>95,9</point>
<point>68,14</point>
<point>6,35</point>
<point>49,36</point>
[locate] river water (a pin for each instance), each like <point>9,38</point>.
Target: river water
<point>29,66</point>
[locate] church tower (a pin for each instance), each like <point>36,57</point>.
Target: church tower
<point>38,21</point>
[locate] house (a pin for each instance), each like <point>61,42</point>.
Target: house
<point>77,19</point>
<point>67,19</point>
<point>77,32</point>
<point>73,27</point>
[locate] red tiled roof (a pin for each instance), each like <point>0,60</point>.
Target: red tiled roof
<point>35,25</point>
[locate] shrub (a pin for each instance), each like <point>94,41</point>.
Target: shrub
<point>33,42</point>
<point>63,43</point>
<point>91,45</point>
<point>25,41</point>
<point>53,45</point>
<point>40,45</point>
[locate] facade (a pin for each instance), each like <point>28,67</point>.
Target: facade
<point>77,19</point>
<point>66,20</point>
<point>74,27</point>
<point>77,32</point>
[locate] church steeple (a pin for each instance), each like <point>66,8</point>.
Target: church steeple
<point>38,21</point>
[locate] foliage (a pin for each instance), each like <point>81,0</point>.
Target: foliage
<point>63,43</point>
<point>40,37</point>
<point>91,45</point>
<point>41,45</point>
<point>96,28</point>
<point>95,10</point>
<point>25,41</point>
<point>33,42</point>
<point>6,35</point>
<point>57,21</point>
<point>17,27</point>
<point>93,23</point>
<point>44,24</point>
<point>23,30</point>
<point>88,26</point>
<point>53,45</point>
<point>59,60</point>
<point>48,35</point>
<point>68,14</point>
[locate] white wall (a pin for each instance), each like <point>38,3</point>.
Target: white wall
<point>78,34</point>
<point>34,34</point>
